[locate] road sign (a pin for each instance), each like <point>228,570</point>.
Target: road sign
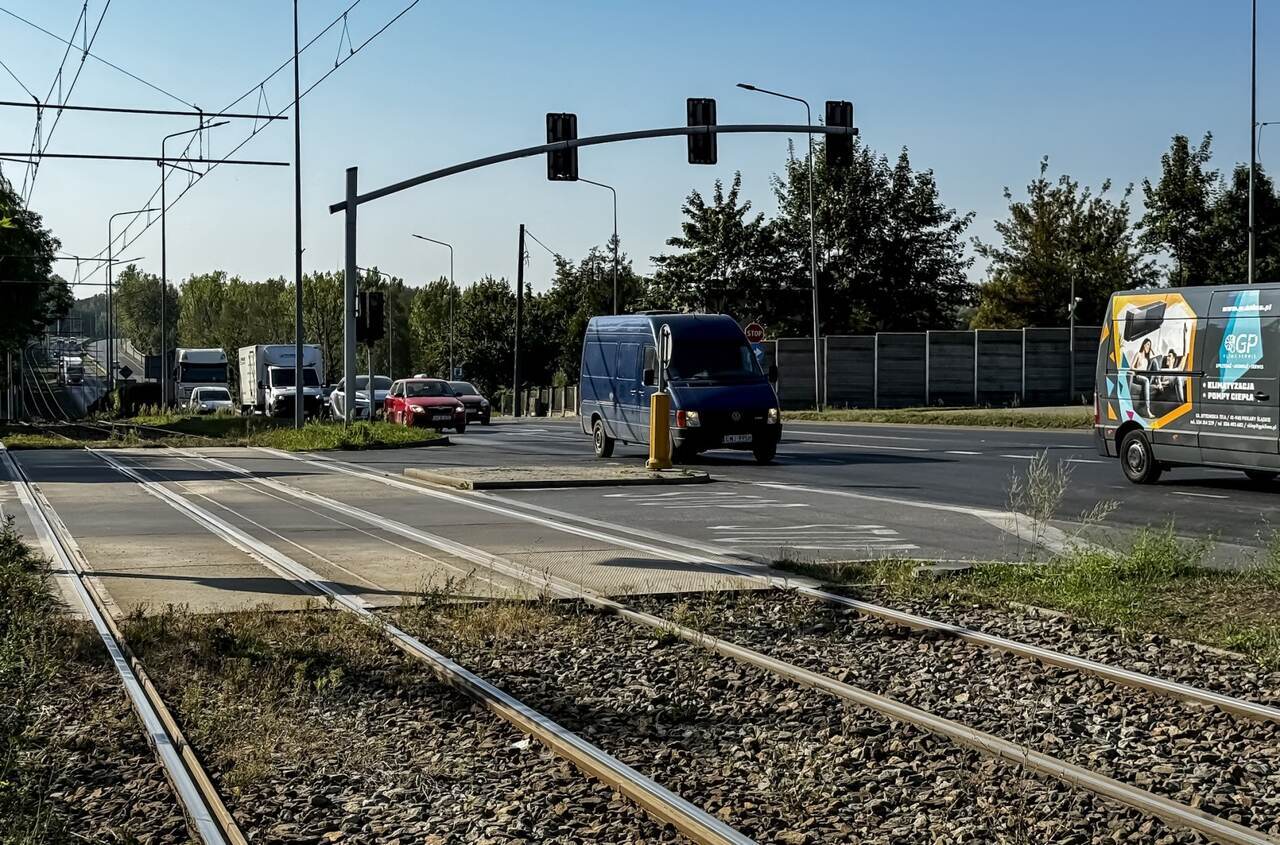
<point>125,372</point>
<point>754,332</point>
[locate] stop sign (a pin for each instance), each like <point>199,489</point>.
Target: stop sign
<point>754,332</point>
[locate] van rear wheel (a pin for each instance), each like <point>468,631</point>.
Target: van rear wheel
<point>1137,460</point>
<point>601,440</point>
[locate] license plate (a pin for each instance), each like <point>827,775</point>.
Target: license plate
<point>439,417</point>
<point>735,438</point>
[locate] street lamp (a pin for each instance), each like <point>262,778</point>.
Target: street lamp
<point>615,237</point>
<point>111,325</point>
<point>813,248</point>
<point>450,248</point>
<point>164,275</point>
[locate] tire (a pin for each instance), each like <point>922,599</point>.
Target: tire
<point>1137,460</point>
<point>682,454</point>
<point>484,420</point>
<point>1261,476</point>
<point>601,440</point>
<point>765,452</point>
<point>460,428</point>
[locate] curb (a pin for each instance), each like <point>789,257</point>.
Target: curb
<point>459,483</point>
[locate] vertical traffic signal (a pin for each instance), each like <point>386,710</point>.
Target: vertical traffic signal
<point>839,147</point>
<point>702,147</point>
<point>370,316</point>
<point>562,165</point>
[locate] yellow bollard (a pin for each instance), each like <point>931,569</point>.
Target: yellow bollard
<point>659,431</point>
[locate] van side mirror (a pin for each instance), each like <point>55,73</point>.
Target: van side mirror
<point>649,377</point>
<point>773,372</point>
<point>259,385</point>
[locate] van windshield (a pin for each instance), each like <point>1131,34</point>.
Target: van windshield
<point>713,360</point>
<point>281,377</point>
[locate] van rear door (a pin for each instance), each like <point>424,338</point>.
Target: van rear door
<point>1239,404</point>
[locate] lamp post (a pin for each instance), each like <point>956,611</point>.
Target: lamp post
<point>1253,127</point>
<point>450,248</point>
<point>111,323</point>
<point>615,236</point>
<point>813,247</point>
<point>164,270</point>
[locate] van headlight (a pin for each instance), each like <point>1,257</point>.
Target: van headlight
<point>773,416</point>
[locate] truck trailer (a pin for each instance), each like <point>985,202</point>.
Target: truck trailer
<point>268,380</point>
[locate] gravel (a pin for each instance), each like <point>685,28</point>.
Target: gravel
<point>1153,654</point>
<point>105,782</point>
<point>778,762</point>
<point>1220,763</point>
<point>377,750</point>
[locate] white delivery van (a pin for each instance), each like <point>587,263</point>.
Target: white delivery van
<point>268,379</point>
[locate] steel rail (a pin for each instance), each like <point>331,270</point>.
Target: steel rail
<point>1174,812</point>
<point>206,814</point>
<point>654,799</point>
<point>562,521</point>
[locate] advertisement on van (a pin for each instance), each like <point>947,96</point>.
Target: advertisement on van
<point>1154,342</point>
<point>1241,346</point>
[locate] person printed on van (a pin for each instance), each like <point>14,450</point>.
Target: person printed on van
<point>1144,362</point>
<point>1174,361</point>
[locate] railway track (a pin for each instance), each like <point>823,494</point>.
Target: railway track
<point>1175,812</point>
<point>210,819</point>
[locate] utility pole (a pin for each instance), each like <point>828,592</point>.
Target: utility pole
<point>350,280</point>
<point>515,375</point>
<point>298,392</point>
<point>1253,128</point>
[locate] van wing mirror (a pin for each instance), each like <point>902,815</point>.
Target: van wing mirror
<point>773,372</point>
<point>649,377</point>
<point>260,384</point>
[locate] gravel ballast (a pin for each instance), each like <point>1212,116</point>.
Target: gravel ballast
<point>315,729</point>
<point>1217,762</point>
<point>778,762</point>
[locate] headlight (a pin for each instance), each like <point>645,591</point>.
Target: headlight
<point>773,416</point>
<point>418,409</point>
<point>484,403</point>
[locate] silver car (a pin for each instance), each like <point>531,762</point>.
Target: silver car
<point>360,410</point>
<point>209,400</point>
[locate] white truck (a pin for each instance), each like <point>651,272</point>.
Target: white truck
<point>194,368</point>
<point>71,370</point>
<point>268,380</point>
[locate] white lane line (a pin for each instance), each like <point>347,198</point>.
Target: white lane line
<point>1021,457</point>
<point>1199,495</point>
<point>960,452</point>
<point>810,525</point>
<point>855,445</point>
<point>1084,461</point>
<point>808,432</point>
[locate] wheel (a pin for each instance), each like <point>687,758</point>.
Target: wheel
<point>460,427</point>
<point>682,454</point>
<point>484,420</point>
<point>764,452</point>
<point>601,440</point>
<point>1261,475</point>
<point>1136,459</point>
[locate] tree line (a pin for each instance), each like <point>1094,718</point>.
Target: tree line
<point>891,256</point>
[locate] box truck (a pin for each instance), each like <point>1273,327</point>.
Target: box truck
<point>268,379</point>
<point>194,368</point>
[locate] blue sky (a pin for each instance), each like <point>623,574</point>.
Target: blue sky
<point>976,91</point>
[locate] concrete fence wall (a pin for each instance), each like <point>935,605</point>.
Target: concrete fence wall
<point>911,369</point>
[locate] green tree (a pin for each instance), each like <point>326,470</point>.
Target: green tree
<point>137,303</point>
<point>726,260</point>
<point>1227,258</point>
<point>485,333</point>
<point>1060,233</point>
<point>322,322</point>
<point>200,313</point>
<point>890,253</point>
<point>33,296</point>
<point>429,328</point>
<point>1179,216</point>
<point>578,293</point>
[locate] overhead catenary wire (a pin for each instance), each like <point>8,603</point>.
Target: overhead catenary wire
<point>126,242</point>
<point>21,84</point>
<point>553,253</point>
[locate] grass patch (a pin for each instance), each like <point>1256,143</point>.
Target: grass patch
<point>239,681</point>
<point>1158,584</point>
<point>33,640</point>
<point>217,430</point>
<point>1081,418</point>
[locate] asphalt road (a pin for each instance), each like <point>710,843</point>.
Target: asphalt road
<point>886,465</point>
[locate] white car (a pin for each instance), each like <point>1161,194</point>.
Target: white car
<point>338,399</point>
<point>210,400</point>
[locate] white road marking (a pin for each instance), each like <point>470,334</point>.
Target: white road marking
<point>806,430</point>
<point>1021,457</point>
<point>857,446</point>
<point>1199,495</point>
<point>1084,461</point>
<point>689,500</point>
<point>815,536</point>
<point>961,452</point>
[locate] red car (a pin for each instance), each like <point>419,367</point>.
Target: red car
<point>425,402</point>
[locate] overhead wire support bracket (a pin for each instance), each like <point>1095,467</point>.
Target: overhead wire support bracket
<point>123,110</point>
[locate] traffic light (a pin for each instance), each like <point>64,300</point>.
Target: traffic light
<point>701,112</point>
<point>839,147</point>
<point>562,165</point>
<point>370,316</point>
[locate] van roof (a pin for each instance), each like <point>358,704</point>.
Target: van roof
<point>704,325</point>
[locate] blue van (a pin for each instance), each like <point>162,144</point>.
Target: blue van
<point>720,397</point>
